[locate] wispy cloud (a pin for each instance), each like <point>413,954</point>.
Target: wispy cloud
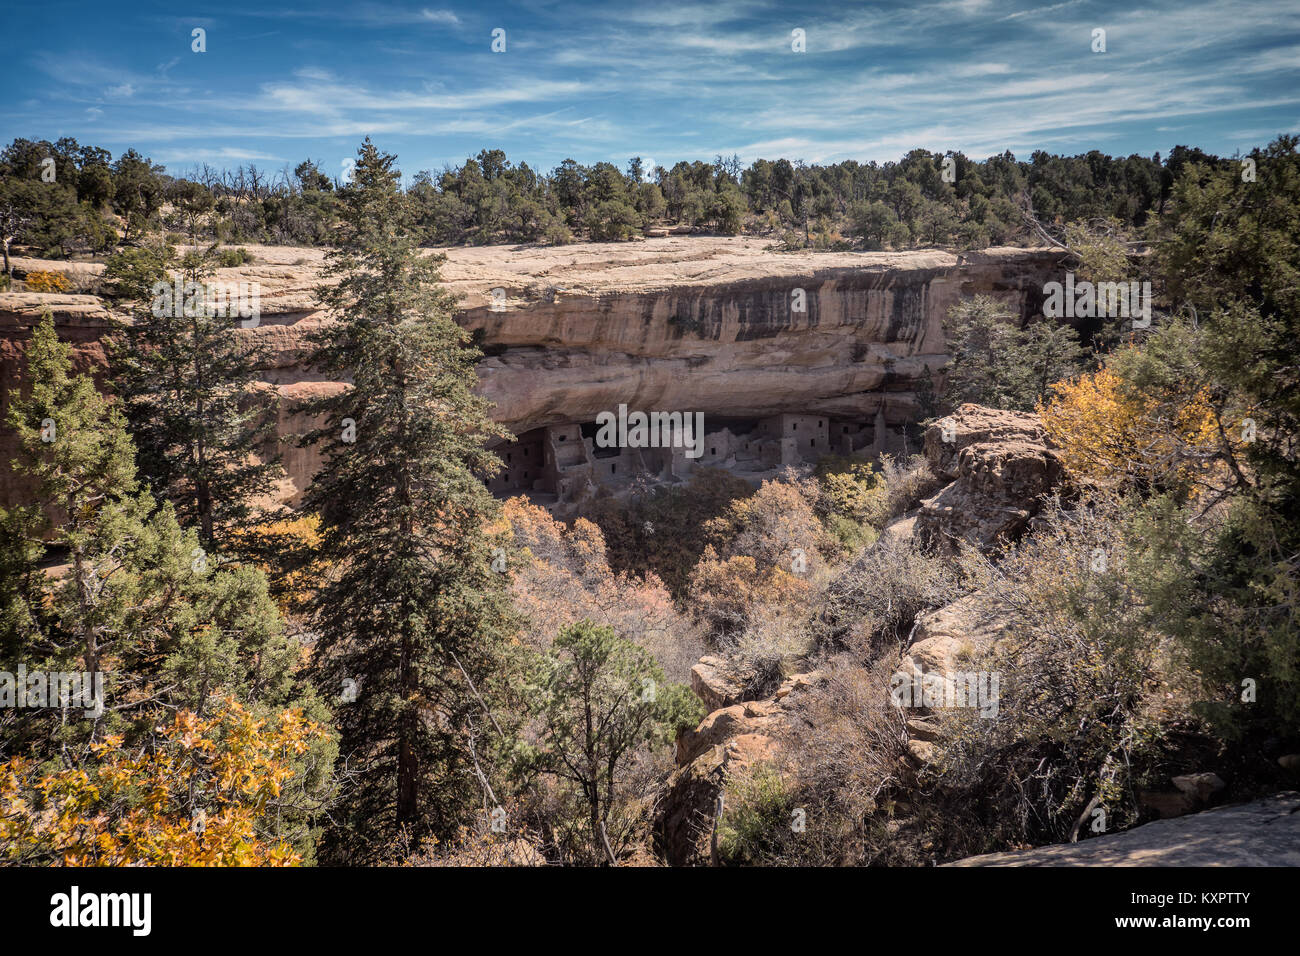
<point>673,80</point>
<point>440,16</point>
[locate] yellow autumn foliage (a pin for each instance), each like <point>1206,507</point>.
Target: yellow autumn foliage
<point>194,799</point>
<point>41,281</point>
<point>1107,433</point>
<point>299,536</point>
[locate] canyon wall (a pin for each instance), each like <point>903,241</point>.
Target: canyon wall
<point>674,324</point>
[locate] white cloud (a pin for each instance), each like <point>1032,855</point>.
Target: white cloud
<point>440,16</point>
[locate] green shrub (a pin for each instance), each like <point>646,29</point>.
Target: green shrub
<point>613,219</point>
<point>131,273</point>
<point>1089,689</point>
<point>231,258</point>
<point>757,820</point>
<point>871,605</point>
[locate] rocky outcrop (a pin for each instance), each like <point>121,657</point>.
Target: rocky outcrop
<point>756,717</point>
<point>943,638</point>
<point>729,741</point>
<point>719,325</point>
<point>712,682</point>
<point>1191,792</point>
<point>937,663</point>
<point>998,464</point>
<point>1262,833</point>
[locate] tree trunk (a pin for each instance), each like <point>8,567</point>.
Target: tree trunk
<point>408,761</point>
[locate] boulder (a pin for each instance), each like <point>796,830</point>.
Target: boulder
<point>999,465</point>
<point>898,531</point>
<point>922,751</point>
<point>1192,791</point>
<point>919,729</point>
<point>799,682</point>
<point>943,637</point>
<point>1200,787</point>
<point>713,683</point>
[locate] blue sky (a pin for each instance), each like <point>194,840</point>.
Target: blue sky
<point>664,80</point>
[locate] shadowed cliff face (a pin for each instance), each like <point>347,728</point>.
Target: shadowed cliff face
<point>865,340</point>
<point>681,324</point>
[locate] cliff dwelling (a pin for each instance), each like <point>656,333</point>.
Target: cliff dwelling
<point>698,324</point>
<point>562,465</point>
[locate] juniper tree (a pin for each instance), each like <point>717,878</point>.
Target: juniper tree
<point>1048,353</point>
<point>412,614</point>
<point>983,339</point>
<point>996,363</point>
<point>1227,247</point>
<point>199,416</point>
<point>599,700</point>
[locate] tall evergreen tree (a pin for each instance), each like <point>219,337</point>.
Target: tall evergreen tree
<point>412,614</point>
<point>140,598</point>
<point>997,363</point>
<point>195,408</point>
<point>139,602</point>
<point>78,455</point>
<point>983,339</point>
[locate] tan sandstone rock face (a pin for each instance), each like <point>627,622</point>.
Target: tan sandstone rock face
<point>711,683</point>
<point>1262,833</point>
<point>998,463</point>
<point>682,323</point>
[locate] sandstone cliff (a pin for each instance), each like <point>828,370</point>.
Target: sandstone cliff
<point>678,323</point>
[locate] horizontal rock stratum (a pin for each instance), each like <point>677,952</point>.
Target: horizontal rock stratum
<point>677,324</point>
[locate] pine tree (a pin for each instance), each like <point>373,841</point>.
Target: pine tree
<point>413,617</point>
<point>196,410</point>
<point>78,453</point>
<point>140,592</point>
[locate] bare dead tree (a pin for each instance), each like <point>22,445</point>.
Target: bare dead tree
<point>283,182</point>
<point>209,177</point>
<point>1087,812</point>
<point>1035,224</point>
<point>13,222</point>
<point>256,181</point>
<point>604,842</point>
